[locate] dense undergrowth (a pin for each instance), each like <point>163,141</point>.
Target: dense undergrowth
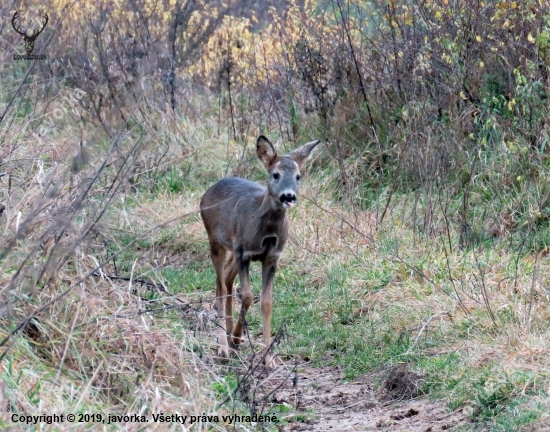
<point>421,237</point>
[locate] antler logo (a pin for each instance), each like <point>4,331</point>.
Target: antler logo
<point>28,38</point>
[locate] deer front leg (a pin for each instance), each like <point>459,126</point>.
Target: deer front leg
<point>231,270</point>
<point>268,273</point>
<point>218,253</point>
<point>246,299</point>
<point>221,293</point>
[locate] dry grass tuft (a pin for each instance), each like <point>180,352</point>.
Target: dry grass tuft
<point>74,339</point>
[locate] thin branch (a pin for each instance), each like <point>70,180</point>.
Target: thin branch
<point>424,326</point>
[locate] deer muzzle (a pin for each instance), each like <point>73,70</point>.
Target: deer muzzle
<point>288,200</point>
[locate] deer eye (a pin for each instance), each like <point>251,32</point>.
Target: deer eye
<point>276,176</point>
<point>298,177</point>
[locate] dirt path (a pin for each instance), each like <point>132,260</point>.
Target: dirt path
<point>329,403</point>
<point>383,401</point>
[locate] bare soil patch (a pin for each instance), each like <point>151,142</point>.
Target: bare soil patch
<point>379,401</point>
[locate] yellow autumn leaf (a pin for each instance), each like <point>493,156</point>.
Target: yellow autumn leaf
<point>530,38</point>
<point>478,38</point>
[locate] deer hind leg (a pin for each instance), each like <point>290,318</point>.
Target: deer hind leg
<point>218,255</point>
<point>246,299</point>
<point>268,273</point>
<point>231,270</point>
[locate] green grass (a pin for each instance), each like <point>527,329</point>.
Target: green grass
<point>191,279</point>
<point>323,323</point>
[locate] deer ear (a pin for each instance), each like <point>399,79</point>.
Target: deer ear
<point>265,151</point>
<point>303,153</point>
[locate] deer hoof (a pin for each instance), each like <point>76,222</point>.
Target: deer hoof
<point>223,353</point>
<point>235,341</point>
<point>270,362</point>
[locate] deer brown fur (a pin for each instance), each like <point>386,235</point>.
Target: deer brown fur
<point>247,222</point>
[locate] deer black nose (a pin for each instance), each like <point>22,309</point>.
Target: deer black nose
<point>288,198</point>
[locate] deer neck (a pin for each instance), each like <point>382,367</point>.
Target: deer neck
<point>271,208</point>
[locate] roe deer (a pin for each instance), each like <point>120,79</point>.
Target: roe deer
<point>249,221</point>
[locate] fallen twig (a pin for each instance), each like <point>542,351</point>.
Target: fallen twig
<point>424,326</point>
